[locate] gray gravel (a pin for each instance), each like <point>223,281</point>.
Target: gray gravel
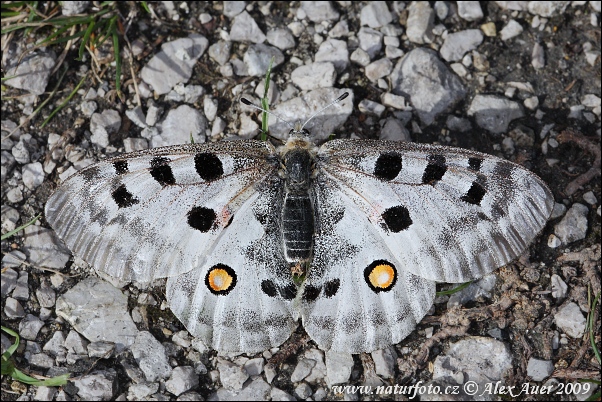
<point>507,78</point>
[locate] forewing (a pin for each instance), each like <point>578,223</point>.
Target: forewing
<point>445,214</point>
<point>157,213</point>
<point>247,308</point>
<point>341,308</point>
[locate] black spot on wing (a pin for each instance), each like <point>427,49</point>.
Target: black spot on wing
<point>123,198</point>
<point>475,194</point>
<point>474,164</point>
<point>201,218</point>
<point>397,218</point>
<point>388,165</point>
<point>435,169</point>
<point>288,292</point>
<point>332,287</point>
<point>208,166</point>
<point>311,293</point>
<point>269,288</point>
<point>121,166</point>
<point>161,171</point>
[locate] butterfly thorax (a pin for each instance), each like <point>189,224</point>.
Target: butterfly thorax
<point>298,209</point>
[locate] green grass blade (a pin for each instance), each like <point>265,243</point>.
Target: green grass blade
<point>12,232</point>
<point>454,290</point>
<point>62,105</point>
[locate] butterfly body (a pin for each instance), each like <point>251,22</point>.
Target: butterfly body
<point>348,237</point>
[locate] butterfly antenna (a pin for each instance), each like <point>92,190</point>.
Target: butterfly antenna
<point>248,103</point>
<point>337,100</point>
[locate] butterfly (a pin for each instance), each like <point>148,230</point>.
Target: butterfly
<point>349,237</point>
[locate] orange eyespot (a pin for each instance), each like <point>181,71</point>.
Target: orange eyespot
<point>380,276</point>
<point>220,279</point>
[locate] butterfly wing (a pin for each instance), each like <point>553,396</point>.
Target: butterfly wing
<point>156,213</point>
<point>357,296</point>
<point>210,301</point>
<point>445,214</point>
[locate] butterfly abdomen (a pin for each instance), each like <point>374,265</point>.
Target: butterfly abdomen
<point>297,211</point>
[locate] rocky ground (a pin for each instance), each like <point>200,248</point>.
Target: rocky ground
<point>520,80</point>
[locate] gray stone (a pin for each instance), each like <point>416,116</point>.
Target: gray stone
<point>98,386</point>
<point>20,151</point>
<point>231,375</point>
<point>21,291</point>
<point>559,287</point>
<point>188,93</point>
<point>220,51</point>
<point>371,107</point>
<point>420,24</point>
<point>136,116</point>
<point>179,125</point>
<point>301,108</point>
<point>303,390</point>
<point>384,362</point>
<point>340,30</point>
<point>282,38</point>
<point>277,394</point>
<point>538,369</point>
<point>13,309</point>
<point>426,80</point>
<point>174,63</point>
<point>41,360</point>
<point>375,14</point>
<point>394,101</point>
<point>31,73</point>
<point>371,41</point>
<point>338,367</point>
<point>73,8</point>
<point>46,393</point>
<point>494,113</point>
<point>470,10</point>
<point>245,29</point>
<point>511,30</point>
<point>102,125</point>
<point>56,345</point>
<point>75,343</point>
<point>334,51</point>
<point>573,226</point>
<point>14,259</point>
<point>318,11</point>
<point>359,56</point>
<point>182,379</point>
<point>547,8</point>
<point>135,144</point>
<point>46,295</point>
<point>254,366</point>
<point>570,320</point>
<point>456,123</point>
<point>315,75</point>
<point>590,198</point>
<point>257,59</point>
<point>456,45</point>
<point>98,311</point>
<point>140,391</point>
<point>479,359</point>
<point>256,390</point>
<point>8,281</point>
<point>10,217</point>
<point>558,211</point>
<point>30,326</point>
<point>233,8</point>
<point>100,349</point>
<point>151,356</point>
<point>538,56</point>
<point>33,175</point>
<point>394,130</point>
<point>378,69</point>
<point>318,372</point>
<point>302,369</point>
